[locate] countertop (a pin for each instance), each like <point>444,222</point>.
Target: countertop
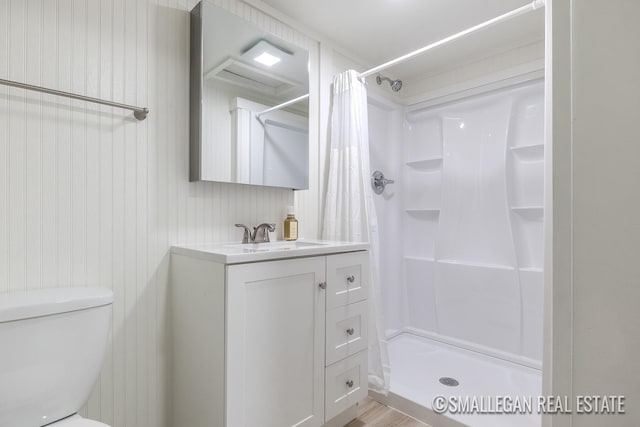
<point>238,253</point>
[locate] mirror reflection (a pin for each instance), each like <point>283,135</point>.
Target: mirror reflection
<point>238,74</point>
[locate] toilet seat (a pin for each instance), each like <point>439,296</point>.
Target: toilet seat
<point>77,421</point>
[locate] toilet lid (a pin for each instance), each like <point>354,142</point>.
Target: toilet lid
<point>77,421</point>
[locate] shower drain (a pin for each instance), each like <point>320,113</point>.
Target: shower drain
<point>451,382</point>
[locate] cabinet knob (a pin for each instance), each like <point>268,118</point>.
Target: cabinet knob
<point>351,278</point>
<point>350,383</point>
<point>323,285</point>
<point>350,331</point>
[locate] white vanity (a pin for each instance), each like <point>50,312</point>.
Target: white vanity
<point>269,334</point>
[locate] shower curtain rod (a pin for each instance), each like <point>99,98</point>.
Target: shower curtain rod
<point>284,104</point>
<point>534,5</point>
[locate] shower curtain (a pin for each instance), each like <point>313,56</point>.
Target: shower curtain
<point>349,211</point>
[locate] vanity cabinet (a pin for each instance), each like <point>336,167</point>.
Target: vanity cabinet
<point>273,344</point>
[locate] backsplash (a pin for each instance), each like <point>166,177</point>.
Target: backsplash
<point>90,196</point>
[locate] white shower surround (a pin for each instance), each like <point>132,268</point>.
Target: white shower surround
<point>474,195</point>
<point>461,244</point>
<point>465,265</point>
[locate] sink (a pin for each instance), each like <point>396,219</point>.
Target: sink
<point>235,253</point>
<point>274,246</point>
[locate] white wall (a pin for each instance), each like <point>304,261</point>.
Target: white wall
<point>596,174</point>
<point>515,62</point>
<point>89,196</point>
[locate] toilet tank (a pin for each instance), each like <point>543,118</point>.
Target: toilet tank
<point>52,347</point>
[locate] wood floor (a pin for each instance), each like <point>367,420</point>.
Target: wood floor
<point>374,414</point>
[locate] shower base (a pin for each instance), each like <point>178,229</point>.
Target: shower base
<point>418,364</point>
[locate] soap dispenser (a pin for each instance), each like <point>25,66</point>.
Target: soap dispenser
<point>291,225</point>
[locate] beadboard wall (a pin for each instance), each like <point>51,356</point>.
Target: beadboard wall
<point>90,196</point>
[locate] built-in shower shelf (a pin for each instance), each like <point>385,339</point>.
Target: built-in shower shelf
<point>531,269</point>
<point>425,164</point>
<point>528,211</point>
<point>423,210</point>
<point>475,264</point>
<point>529,152</point>
<point>528,208</point>
<point>419,258</point>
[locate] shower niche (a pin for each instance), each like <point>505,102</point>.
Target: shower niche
<point>473,210</point>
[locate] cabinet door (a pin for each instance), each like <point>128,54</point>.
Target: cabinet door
<point>275,343</point>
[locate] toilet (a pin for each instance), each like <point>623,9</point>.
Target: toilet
<point>53,346</point>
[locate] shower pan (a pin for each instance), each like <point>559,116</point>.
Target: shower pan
<point>462,233</point>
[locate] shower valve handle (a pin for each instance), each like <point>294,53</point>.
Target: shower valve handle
<point>379,182</point>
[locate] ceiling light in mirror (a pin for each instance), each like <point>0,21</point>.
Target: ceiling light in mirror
<point>267,59</point>
<point>266,53</point>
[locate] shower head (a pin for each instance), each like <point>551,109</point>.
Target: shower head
<point>396,85</point>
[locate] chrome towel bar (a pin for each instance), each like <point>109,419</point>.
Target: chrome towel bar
<point>139,113</point>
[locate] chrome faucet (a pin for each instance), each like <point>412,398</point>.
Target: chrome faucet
<point>247,233</point>
<point>260,233</point>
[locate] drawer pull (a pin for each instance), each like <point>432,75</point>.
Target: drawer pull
<point>323,285</point>
<point>350,331</point>
<point>350,383</point>
<point>351,278</point>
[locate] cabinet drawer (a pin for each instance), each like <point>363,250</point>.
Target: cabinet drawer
<point>347,278</point>
<point>346,383</point>
<point>346,331</point>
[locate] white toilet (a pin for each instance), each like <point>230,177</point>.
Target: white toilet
<point>53,345</point>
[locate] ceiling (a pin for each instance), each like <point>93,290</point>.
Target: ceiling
<point>380,30</point>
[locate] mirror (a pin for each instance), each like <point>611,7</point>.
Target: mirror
<point>237,72</point>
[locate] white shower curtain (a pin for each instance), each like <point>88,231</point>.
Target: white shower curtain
<point>349,211</point>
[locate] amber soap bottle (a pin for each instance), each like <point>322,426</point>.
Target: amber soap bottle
<point>290,225</point>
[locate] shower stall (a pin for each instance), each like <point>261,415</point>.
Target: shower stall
<point>461,247</point>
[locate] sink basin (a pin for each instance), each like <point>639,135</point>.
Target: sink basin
<point>273,246</point>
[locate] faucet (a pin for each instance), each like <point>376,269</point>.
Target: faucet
<point>260,233</point>
<point>247,233</point>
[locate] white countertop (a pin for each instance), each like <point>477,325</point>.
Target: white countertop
<point>237,253</point>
